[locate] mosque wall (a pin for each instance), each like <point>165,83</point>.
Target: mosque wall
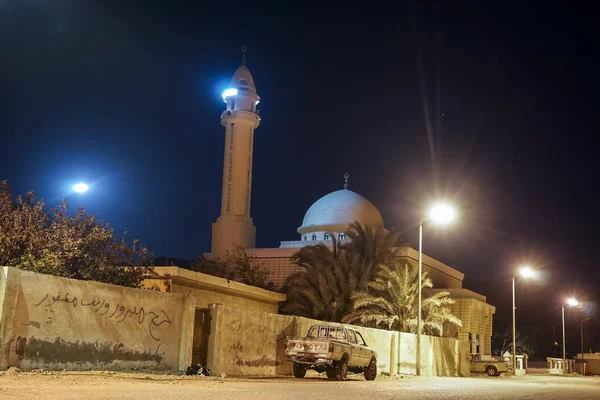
<point>278,261</point>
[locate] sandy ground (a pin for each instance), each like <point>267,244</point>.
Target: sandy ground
<point>155,386</point>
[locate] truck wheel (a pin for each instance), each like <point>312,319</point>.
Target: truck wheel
<point>371,370</point>
<point>330,373</point>
<point>341,370</point>
<point>491,370</point>
<point>299,370</point>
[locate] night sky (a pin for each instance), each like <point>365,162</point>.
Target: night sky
<point>490,107</point>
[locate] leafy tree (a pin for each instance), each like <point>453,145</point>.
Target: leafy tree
<point>390,301</point>
<point>502,342</point>
<point>236,265</point>
<point>242,267</point>
<point>323,290</point>
<point>75,245</point>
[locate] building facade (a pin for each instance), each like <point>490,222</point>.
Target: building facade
<point>329,218</point>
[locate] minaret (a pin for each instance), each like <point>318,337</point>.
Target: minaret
<point>240,118</point>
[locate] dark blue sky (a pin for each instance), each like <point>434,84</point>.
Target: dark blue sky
<point>125,95</point>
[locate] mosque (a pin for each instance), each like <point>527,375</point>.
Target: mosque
<point>329,217</point>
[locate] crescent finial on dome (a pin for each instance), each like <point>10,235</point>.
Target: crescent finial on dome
<point>346,176</point>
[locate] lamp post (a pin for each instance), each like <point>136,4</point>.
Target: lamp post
<point>442,214</point>
<point>582,321</point>
<point>570,302</point>
<point>526,273</point>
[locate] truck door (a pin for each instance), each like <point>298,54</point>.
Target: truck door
<point>354,350</point>
<point>365,352</point>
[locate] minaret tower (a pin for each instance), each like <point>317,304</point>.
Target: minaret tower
<point>240,118</point>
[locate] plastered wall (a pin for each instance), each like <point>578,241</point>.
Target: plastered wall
<point>253,343</point>
<point>51,322</point>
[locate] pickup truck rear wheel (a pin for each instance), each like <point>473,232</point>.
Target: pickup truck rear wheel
<point>491,370</point>
<point>371,370</point>
<point>299,370</point>
<point>341,370</point>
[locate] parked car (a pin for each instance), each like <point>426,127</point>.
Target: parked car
<point>333,349</point>
<point>491,366</point>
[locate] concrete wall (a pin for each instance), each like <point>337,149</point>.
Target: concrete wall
<point>593,362</point>
<point>205,297</point>
<point>54,323</point>
<point>244,343</point>
<point>248,343</point>
<point>208,289</point>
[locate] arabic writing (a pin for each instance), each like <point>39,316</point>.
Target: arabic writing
<point>118,312</point>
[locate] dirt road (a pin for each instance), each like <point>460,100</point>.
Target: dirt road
<point>142,386</point>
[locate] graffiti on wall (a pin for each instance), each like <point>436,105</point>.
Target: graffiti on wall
<point>254,331</point>
<point>116,312</point>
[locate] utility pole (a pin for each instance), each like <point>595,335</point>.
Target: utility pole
<point>554,339</point>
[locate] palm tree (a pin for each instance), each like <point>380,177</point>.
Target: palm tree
<point>390,301</point>
<point>323,290</point>
<point>332,274</point>
<point>375,247</point>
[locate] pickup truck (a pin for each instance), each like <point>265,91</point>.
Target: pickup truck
<point>333,349</point>
<point>490,365</point>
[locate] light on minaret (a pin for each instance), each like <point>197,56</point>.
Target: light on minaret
<point>235,226</point>
<point>229,92</point>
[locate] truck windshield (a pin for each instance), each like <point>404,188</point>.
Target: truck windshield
<point>327,332</point>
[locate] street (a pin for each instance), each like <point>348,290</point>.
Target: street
<point>147,386</point>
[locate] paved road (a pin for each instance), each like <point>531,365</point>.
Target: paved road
<point>161,387</point>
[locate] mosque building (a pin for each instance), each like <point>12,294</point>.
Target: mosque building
<point>329,217</point>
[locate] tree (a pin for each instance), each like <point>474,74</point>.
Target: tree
<point>502,342</point>
<point>323,290</point>
<point>75,245</point>
<point>236,265</point>
<point>374,246</point>
<point>390,301</point>
<point>244,268</point>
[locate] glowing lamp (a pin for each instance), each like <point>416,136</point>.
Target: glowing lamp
<point>526,272</point>
<point>229,92</point>
<point>442,214</point>
<point>572,302</point>
<point>81,187</point>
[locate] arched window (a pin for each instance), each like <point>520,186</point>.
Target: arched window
<point>314,236</point>
<point>305,238</point>
<point>342,236</point>
<point>327,236</point>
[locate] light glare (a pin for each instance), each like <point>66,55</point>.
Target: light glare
<point>80,187</point>
<point>442,214</point>
<point>572,302</point>
<point>526,272</point>
<point>229,92</point>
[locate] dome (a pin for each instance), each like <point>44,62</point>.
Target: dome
<point>242,79</point>
<point>340,208</point>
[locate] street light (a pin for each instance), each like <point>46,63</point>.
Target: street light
<point>442,214</point>
<point>525,272</point>
<point>80,187</point>
<point>582,321</point>
<point>571,302</point>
